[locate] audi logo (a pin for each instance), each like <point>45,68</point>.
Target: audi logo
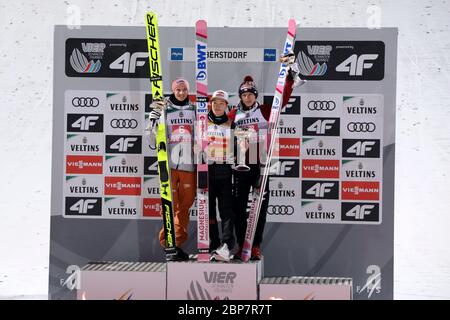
<point>280,210</point>
<point>85,102</point>
<point>321,105</point>
<point>124,123</point>
<point>361,127</point>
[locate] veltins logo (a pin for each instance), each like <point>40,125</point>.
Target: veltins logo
<point>176,54</point>
<point>270,55</point>
<point>373,283</point>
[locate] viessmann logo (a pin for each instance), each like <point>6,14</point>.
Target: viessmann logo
<point>321,169</point>
<point>152,207</point>
<point>360,190</point>
<point>126,186</point>
<point>287,147</point>
<point>84,164</point>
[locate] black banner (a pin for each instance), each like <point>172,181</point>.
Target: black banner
<point>340,60</point>
<point>106,58</point>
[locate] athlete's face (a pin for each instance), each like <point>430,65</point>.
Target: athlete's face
<point>218,107</point>
<point>248,99</point>
<point>181,92</point>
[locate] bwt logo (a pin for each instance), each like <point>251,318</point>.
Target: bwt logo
<point>73,280</point>
<point>201,75</point>
<point>360,211</point>
<point>355,65</point>
<point>319,189</point>
<point>82,206</point>
<point>373,283</point>
<point>176,54</point>
<point>270,55</point>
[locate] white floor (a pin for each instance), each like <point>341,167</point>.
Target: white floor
<point>422,253</point>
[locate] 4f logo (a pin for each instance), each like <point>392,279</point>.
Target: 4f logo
<point>83,205</point>
<point>85,122</point>
<point>73,280</point>
<point>321,126</point>
<point>285,168</point>
<point>124,144</point>
<point>373,283</point>
<point>320,189</point>
<point>360,211</point>
<point>355,65</point>
<point>128,62</point>
<point>361,148</point>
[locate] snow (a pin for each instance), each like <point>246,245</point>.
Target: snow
<point>422,256</point>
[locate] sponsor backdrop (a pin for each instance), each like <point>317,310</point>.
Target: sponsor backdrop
<point>332,181</point>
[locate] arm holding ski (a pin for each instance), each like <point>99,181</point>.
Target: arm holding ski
<point>152,126</point>
<point>292,80</point>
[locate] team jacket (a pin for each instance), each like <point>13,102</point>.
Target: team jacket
<point>180,119</point>
<point>257,118</point>
<point>220,145</point>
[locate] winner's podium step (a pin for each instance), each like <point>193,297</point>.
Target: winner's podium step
<point>193,280</point>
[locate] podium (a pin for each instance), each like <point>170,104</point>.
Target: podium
<point>122,281</point>
<point>192,280</point>
<point>305,288</point>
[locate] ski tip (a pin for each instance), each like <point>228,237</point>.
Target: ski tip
<point>149,16</point>
<point>292,26</point>
<point>201,28</point>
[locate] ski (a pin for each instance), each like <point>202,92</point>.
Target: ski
<point>201,84</point>
<point>156,81</point>
<point>258,193</point>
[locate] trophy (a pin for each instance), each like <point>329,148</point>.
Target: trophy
<point>242,136</point>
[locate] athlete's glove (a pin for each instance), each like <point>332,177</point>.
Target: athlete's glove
<point>293,69</point>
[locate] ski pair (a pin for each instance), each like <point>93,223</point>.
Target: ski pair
<point>202,138</point>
